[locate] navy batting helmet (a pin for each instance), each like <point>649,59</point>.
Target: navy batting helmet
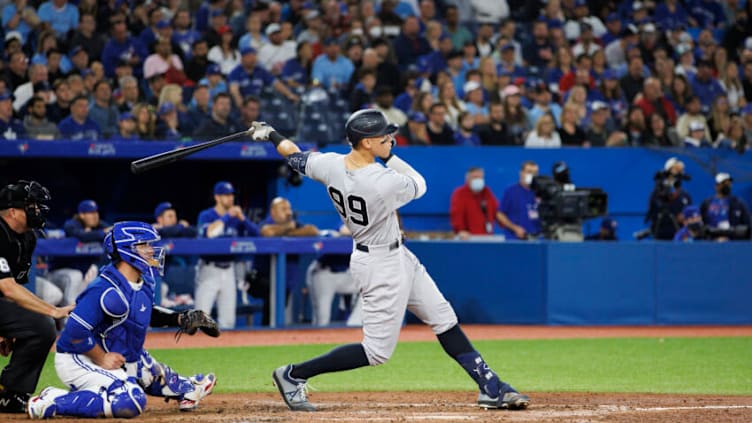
<point>367,123</point>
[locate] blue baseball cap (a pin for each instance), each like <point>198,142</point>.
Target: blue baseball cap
<point>75,50</point>
<point>247,50</point>
<point>6,95</point>
<point>126,116</point>
<point>609,224</point>
<point>612,17</point>
<point>163,24</point>
<point>747,110</point>
<point>161,208</point>
<point>416,116</point>
<point>580,3</point>
<point>330,41</point>
<point>217,12</point>
<point>691,211</point>
<point>87,206</point>
<point>610,74</point>
<point>223,187</point>
<point>555,24</point>
<point>213,69</point>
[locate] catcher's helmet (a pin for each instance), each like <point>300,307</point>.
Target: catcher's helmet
<point>131,242</point>
<point>367,123</point>
<point>30,196</point>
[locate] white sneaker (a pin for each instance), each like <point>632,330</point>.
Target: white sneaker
<point>42,406</point>
<point>293,390</point>
<point>204,385</point>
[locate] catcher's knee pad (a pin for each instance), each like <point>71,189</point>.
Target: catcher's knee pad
<point>158,379</point>
<point>125,399</point>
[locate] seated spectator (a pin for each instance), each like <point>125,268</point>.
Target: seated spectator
<point>600,132</point>
<point>410,44</point>
<point>693,229</point>
<point>465,134</point>
<point>515,116</point>
<point>78,126</point>
<point>570,132</point>
<point>439,131</point>
<point>725,210</point>
<point>71,274</point>
<point>165,61</point>
<point>543,105</point>
<point>59,15</point>
<point>705,85</point>
<point>219,124</point>
<point>126,128</point>
<point>214,81</point>
<point>737,138</point>
<point>632,82</point>
<point>474,102</point>
<point>719,118</point>
<point>250,112</point>
<point>36,124</point>
<point>331,69</point>
<point>651,100</point>
<point>495,131</point>
<point>130,94</point>
<point>167,123</point>
<point>195,67</point>
<point>198,108</point>
<point>248,78</point>
<point>21,18</point>
<point>224,54</point>
<point>10,128</point>
<point>280,222</point>
<point>363,92</point>
<point>416,133</point>
<point>273,55</point>
<point>146,120</point>
<point>102,111</point>
<point>296,73</point>
<point>696,136</point>
<point>634,128</point>
<point>473,208</point>
<point>659,134</point>
<point>693,114</point>
<point>454,106</point>
<point>385,103</point>
<point>24,92</point>
<point>518,212</point>
<point>544,134</point>
<point>606,232</point>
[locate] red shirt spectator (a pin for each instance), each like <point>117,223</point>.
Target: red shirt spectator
<point>652,101</point>
<point>473,207</point>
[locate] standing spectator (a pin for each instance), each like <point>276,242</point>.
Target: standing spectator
<point>87,37</point>
<point>704,85</point>
<point>216,277</point>
<point>439,131</point>
<point>693,114</point>
<point>102,111</point>
<point>79,126</point>
<point>219,124</point>
<point>410,45</point>
<point>544,134</point>
<point>59,15</point>
<point>10,128</point>
<point>36,124</point>
<point>473,208</point>
<point>495,131</point>
<point>726,211</point>
<point>519,206</point>
<point>331,69</point>
<point>660,134</point>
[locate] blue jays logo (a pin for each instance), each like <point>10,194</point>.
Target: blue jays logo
<point>89,248</point>
<point>242,247</point>
<point>102,149</point>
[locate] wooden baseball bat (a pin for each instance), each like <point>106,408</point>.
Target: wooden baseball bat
<point>162,159</point>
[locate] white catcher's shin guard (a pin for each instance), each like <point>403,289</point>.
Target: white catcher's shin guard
<point>204,385</point>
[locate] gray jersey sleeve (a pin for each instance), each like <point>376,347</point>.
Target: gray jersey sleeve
<point>316,166</point>
<point>396,189</point>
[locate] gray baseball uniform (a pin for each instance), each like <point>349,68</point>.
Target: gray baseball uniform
<point>390,277</point>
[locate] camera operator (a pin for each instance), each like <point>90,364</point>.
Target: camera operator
<point>725,215</point>
<point>667,200</point>
<point>693,229</point>
<point>519,206</point>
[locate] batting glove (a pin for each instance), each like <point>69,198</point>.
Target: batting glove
<point>261,131</point>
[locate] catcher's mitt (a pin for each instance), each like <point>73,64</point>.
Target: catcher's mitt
<point>193,320</point>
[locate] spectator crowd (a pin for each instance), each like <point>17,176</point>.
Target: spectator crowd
<point>477,72</point>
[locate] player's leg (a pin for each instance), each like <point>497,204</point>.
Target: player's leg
<point>48,291</point>
<point>227,298</point>
<point>429,305</point>
<point>385,295</point>
<point>160,380</point>
<point>34,335</point>
<point>207,287</point>
<point>321,290</point>
<point>98,392</point>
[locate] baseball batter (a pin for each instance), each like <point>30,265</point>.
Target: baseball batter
<point>391,279</point>
<point>100,354</point>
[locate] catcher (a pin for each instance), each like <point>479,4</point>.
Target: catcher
<point>100,354</point>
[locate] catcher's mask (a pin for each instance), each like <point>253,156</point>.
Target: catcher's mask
<point>133,243</point>
<point>29,196</point>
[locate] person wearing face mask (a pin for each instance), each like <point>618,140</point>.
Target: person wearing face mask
<point>667,200</point>
<point>725,211</point>
<point>519,206</point>
<point>693,229</point>
<point>473,207</point>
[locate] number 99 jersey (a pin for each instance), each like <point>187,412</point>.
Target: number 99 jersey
<point>366,198</point>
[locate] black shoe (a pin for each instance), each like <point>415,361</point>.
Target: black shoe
<point>13,402</point>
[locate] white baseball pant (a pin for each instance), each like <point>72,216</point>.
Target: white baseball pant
<point>323,285</point>
<point>217,284</point>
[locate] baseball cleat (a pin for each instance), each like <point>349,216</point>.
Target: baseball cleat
<point>42,406</point>
<point>204,386</point>
<point>293,390</point>
<point>508,400</point>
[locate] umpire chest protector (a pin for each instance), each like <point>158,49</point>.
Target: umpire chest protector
<point>15,253</point>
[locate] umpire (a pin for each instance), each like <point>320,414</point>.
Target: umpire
<point>26,327</point>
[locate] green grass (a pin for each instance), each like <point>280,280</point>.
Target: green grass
<point>671,365</point>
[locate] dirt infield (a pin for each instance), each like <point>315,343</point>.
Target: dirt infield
<point>449,406</point>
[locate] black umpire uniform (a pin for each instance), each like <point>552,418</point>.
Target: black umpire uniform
<point>28,334</point>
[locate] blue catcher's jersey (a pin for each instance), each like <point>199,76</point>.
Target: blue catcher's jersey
<point>112,314</point>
